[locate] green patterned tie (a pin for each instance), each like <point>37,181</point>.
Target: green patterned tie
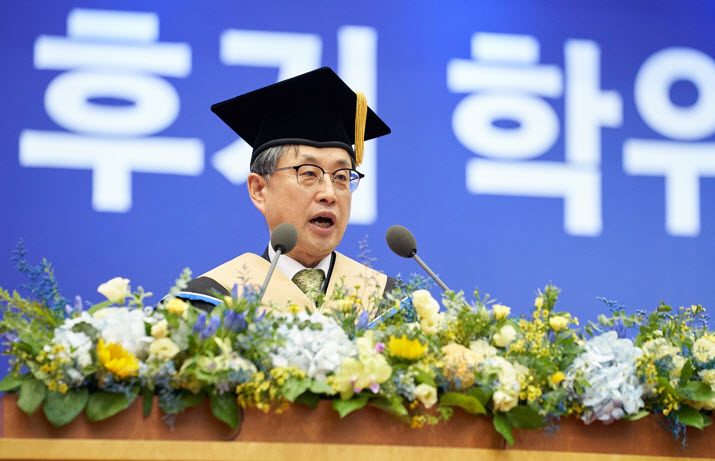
<point>309,282</point>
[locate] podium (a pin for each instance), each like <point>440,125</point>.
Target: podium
<point>301,433</point>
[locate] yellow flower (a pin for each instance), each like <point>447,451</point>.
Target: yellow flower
<point>116,359</point>
<point>558,322</point>
<point>176,306</point>
<point>404,348</point>
<point>557,377</point>
<point>63,388</point>
<point>501,311</point>
<point>52,386</point>
<point>704,349</point>
<point>539,302</point>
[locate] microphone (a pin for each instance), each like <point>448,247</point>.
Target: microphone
<point>283,240</point>
<point>402,243</point>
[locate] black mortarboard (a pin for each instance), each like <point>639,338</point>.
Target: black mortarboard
<point>316,109</point>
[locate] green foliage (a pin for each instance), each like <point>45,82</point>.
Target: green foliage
<point>102,405</point>
<point>32,393</point>
<point>60,408</point>
<point>345,407</point>
<point>225,408</point>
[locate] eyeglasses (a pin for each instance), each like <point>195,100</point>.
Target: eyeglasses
<point>309,175</point>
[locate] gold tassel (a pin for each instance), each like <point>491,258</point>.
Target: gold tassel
<point>360,120</point>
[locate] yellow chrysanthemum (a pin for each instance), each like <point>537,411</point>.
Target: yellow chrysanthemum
<point>404,348</point>
<point>116,359</point>
<point>557,377</point>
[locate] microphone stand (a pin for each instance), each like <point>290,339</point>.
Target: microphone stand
<point>279,251</point>
<point>430,273</point>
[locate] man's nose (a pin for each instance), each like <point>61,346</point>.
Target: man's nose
<point>326,189</point>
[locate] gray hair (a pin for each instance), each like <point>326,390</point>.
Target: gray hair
<point>266,161</point>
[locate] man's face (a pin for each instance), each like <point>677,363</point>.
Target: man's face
<point>320,213</point>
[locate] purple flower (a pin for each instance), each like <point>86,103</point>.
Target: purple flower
<point>239,322</point>
<point>620,329</point>
<point>234,291</point>
<point>363,320</point>
<point>211,328</point>
<point>9,337</point>
<point>228,318</point>
<point>70,311</point>
<point>374,387</point>
<point>258,317</point>
<point>379,347</point>
<point>200,322</point>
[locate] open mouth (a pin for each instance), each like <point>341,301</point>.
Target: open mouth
<point>322,221</point>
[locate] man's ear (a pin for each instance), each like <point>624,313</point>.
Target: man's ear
<point>257,190</point>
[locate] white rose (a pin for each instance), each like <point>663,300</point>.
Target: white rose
<point>703,350</point>
<point>115,290</point>
<point>504,401</point>
<point>482,349</point>
<point>426,394</point>
<point>708,377</point>
<point>431,325</point>
<point>164,349</point>
<point>500,311</point>
<point>424,303</point>
<point>505,336</point>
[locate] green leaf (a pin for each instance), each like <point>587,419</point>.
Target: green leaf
<point>294,387</point>
<point>686,373</point>
<point>321,387</point>
<point>690,416</point>
<point>696,390</point>
<point>102,405</point>
<point>34,345</point>
<point>191,400</point>
<point>225,408</point>
<point>309,399</point>
<point>392,405</point>
<point>147,401</point>
<point>424,378</point>
<point>466,402</point>
<point>637,416</point>
<point>60,408</point>
<point>524,417</point>
<point>481,395</point>
<point>501,424</point>
<point>345,407</point>
<point>32,393</point>
<point>99,306</point>
<point>11,382</point>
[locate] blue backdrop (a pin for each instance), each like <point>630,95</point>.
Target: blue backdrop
<point>532,142</point>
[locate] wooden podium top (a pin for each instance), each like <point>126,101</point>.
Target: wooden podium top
<point>303,433</point>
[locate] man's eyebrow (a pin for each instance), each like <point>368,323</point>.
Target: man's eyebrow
<point>312,158</point>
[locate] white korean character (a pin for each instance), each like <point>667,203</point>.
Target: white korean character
<point>680,159</point>
<point>111,56</point>
<point>509,84</point>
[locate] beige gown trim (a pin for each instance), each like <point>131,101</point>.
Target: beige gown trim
<point>251,269</point>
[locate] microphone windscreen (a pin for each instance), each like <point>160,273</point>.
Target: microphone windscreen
<point>401,241</point>
<point>285,237</point>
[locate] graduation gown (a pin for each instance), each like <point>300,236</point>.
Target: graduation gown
<point>249,268</point>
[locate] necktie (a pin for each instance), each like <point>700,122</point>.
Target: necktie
<point>309,282</point>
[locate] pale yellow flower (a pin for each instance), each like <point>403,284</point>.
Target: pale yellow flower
<point>504,401</point>
<point>176,306</point>
<point>708,377</point>
<point>426,394</point>
<point>431,325</point>
<point>115,290</point>
<point>160,329</point>
<point>539,302</point>
<point>505,336</point>
<point>164,349</point>
<point>704,350</point>
<point>558,322</point>
<point>460,364</point>
<point>424,303</point>
<point>500,311</point>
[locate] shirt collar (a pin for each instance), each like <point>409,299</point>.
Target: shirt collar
<point>289,266</point>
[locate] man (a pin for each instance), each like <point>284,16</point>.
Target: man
<point>302,131</point>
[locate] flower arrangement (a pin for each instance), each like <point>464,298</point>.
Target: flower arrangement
<point>524,372</point>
